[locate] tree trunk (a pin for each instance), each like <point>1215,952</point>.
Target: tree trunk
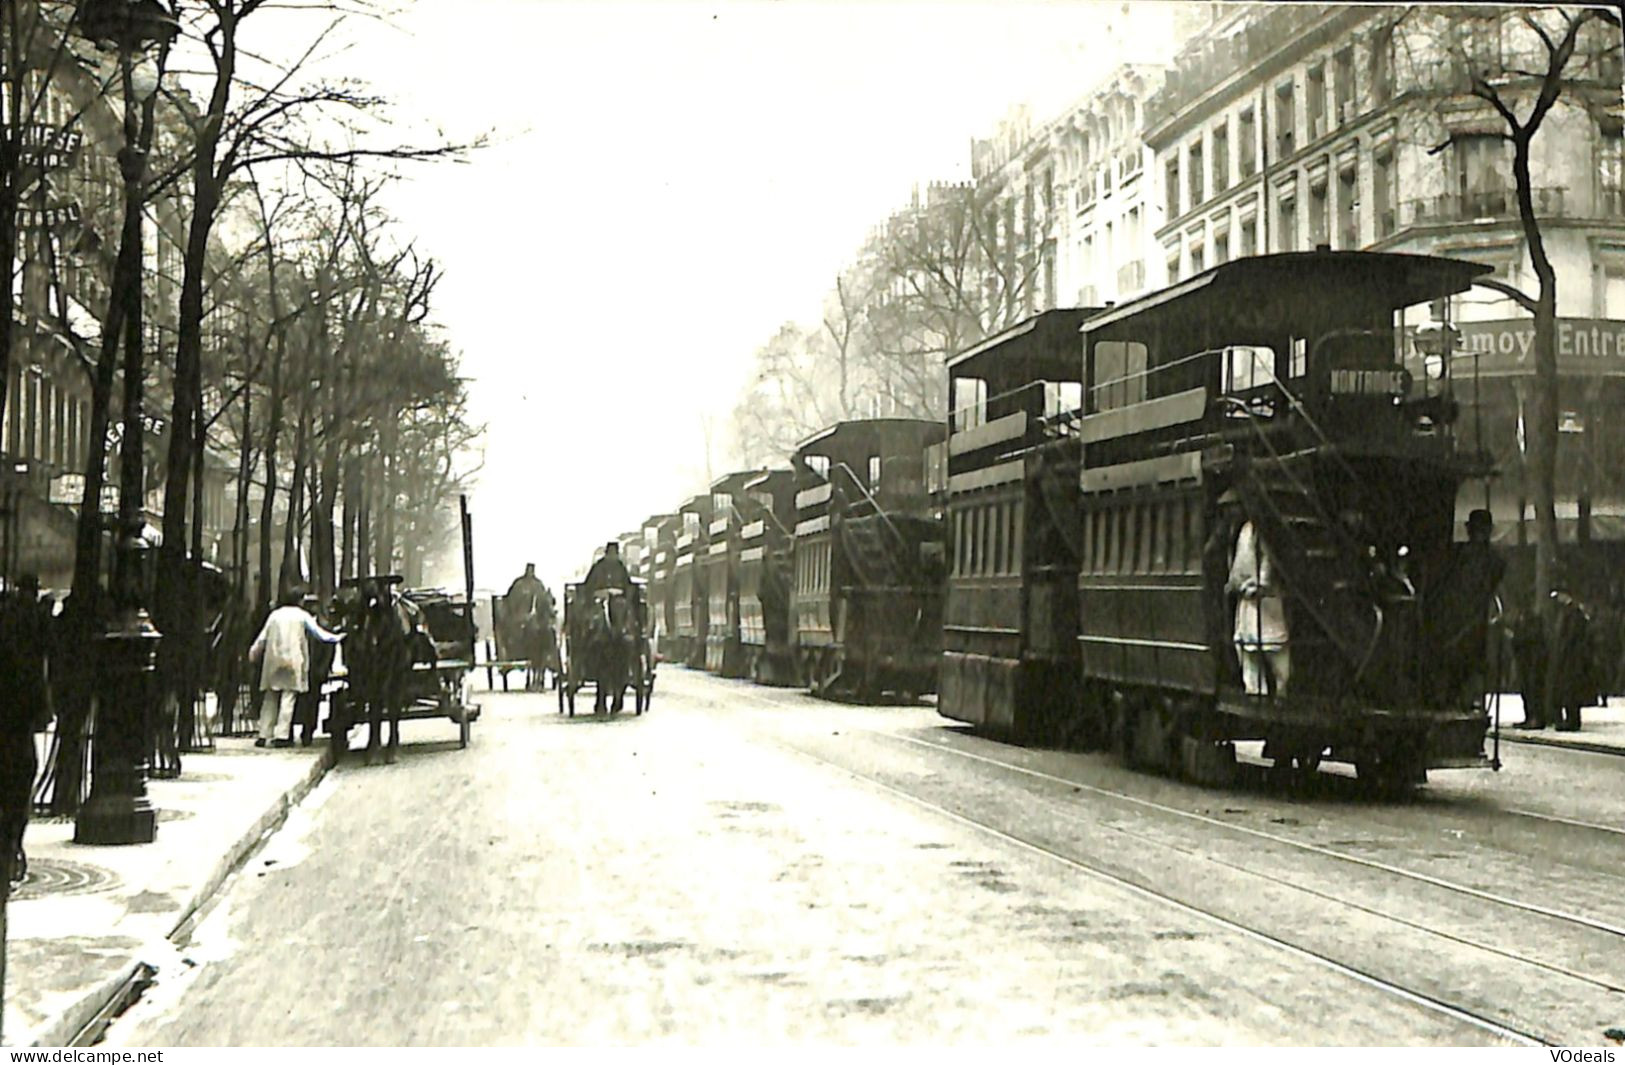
<point>1543,437</point>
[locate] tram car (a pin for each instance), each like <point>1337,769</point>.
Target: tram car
<point>1256,457</point>
<point>691,607</point>
<point>660,556</point>
<point>724,653</point>
<point>1010,661</point>
<point>868,560</point>
<point>765,543</point>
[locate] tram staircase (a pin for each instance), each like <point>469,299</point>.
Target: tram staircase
<point>1320,565</point>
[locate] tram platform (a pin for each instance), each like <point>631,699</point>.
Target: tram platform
<point>1602,728</point>
<point>91,923</point>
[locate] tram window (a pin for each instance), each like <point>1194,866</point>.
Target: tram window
<point>1300,357</point>
<point>1087,554</point>
<point>995,536</point>
<point>1119,379</point>
<point>1098,560</point>
<point>1123,554</point>
<point>1247,367</point>
<point>1159,540</point>
<point>1194,535</point>
<point>970,403</point>
<point>1148,537</point>
<point>874,473</point>
<point>984,540</point>
<point>1176,535</point>
<point>1016,532</point>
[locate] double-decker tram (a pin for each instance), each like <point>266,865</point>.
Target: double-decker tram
<point>1010,661</point>
<point>660,553</point>
<point>866,600</point>
<point>765,635</point>
<point>724,653</point>
<point>691,604</point>
<point>1266,500</point>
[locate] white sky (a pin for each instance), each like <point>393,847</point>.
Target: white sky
<point>673,181</point>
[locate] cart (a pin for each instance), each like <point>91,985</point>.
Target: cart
<point>588,658</point>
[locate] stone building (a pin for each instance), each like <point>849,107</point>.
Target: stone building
<point>1287,127</point>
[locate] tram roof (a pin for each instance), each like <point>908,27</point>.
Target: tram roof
<point>1045,345</point>
<point>874,425</point>
<point>730,482</point>
<point>768,475</point>
<point>1402,280</point>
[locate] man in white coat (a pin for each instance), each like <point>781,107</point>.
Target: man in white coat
<point>1260,633</point>
<point>284,657</point>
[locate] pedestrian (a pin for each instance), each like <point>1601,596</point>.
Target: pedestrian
<point>25,710</point>
<point>283,651</point>
<point>1529,654</point>
<point>1260,632</point>
<point>1570,679</point>
<point>307,707</point>
<point>1459,602</point>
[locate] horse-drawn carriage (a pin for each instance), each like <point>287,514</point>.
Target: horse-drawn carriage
<point>606,646</point>
<point>407,657</point>
<point>526,637</point>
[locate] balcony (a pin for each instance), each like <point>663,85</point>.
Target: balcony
<point>1489,205</point>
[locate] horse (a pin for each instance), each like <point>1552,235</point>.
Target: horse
<point>539,644</point>
<point>609,647</point>
<point>381,644</point>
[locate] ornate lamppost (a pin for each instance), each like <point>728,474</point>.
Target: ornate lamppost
<point>117,810</point>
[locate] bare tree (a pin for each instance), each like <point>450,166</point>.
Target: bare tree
<point>1518,64</point>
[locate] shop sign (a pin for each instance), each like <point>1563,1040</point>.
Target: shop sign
<point>1585,347</point>
<point>57,216</point>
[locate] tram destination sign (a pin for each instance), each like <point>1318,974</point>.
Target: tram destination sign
<point>1586,347</point>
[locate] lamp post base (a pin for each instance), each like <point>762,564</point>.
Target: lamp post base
<point>117,810</point>
<point>117,819</point>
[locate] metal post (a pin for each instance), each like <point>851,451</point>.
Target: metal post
<point>117,810</point>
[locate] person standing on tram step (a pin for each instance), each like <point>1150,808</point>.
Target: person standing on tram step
<point>1460,601</point>
<point>1570,681</point>
<point>1260,632</point>
<point>284,657</point>
<point>1219,620</point>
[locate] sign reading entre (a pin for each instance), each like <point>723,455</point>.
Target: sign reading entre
<point>1585,347</point>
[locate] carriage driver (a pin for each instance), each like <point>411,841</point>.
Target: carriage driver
<point>528,593</point>
<point>1260,632</point>
<point>609,571</point>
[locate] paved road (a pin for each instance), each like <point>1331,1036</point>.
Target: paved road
<point>741,867</point>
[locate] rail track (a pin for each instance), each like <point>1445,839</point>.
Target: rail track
<point>1442,927</point>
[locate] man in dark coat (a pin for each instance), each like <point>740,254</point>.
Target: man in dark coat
<point>1459,603</point>
<point>25,709</point>
<point>1530,654</point>
<point>609,571</point>
<point>1570,679</point>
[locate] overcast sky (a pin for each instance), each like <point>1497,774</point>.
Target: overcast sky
<point>672,181</point>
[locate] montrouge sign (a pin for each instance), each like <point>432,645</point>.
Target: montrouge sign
<point>1585,347</point>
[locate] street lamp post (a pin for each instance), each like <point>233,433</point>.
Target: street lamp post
<point>117,810</point>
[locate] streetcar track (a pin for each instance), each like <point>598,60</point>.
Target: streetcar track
<point>1421,999</point>
<point>1611,829</point>
<point>1257,833</point>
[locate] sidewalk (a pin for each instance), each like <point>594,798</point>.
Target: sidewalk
<point>1602,728</point>
<point>90,922</point>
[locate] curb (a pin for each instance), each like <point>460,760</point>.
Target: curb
<point>83,1022</point>
<point>1537,740</point>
